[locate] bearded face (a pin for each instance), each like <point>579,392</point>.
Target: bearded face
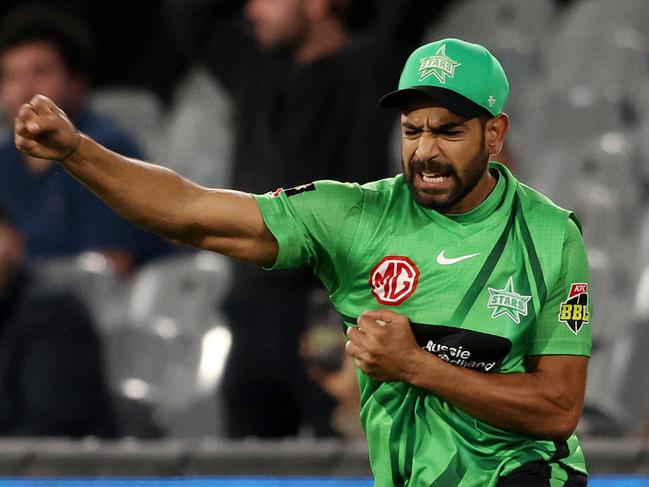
<point>445,159</point>
<point>438,185</point>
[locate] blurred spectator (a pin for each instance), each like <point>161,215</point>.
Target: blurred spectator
<point>322,350</point>
<point>141,56</point>
<point>304,77</point>
<point>51,373</point>
<point>43,51</point>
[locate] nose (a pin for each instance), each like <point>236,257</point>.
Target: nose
<point>428,147</point>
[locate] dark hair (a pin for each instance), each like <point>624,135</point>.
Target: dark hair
<point>484,118</point>
<point>39,22</point>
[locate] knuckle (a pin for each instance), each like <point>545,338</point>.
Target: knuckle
<point>364,315</point>
<point>24,110</point>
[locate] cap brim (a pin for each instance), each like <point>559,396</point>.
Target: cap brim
<point>449,99</point>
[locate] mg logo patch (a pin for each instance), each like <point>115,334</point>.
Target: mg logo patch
<point>439,65</point>
<point>508,302</point>
<point>393,280</point>
<point>574,310</point>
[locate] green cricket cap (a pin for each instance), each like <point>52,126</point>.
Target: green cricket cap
<point>463,77</point>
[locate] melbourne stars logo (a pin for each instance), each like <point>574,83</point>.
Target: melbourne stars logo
<point>508,302</point>
<point>439,65</point>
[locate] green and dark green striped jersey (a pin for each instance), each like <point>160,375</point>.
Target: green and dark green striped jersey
<point>482,290</point>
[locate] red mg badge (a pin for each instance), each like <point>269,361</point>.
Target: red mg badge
<point>393,280</point>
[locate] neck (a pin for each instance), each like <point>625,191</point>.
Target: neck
<point>477,195</point>
<point>325,38</point>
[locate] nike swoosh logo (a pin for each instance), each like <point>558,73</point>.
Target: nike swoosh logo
<point>443,260</point>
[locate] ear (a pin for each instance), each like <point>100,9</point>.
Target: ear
<point>495,132</point>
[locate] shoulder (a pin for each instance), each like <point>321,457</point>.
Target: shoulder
<point>385,192</point>
<point>323,196</point>
<point>322,193</point>
<point>573,232</point>
<point>532,201</point>
<point>373,193</point>
<point>538,205</point>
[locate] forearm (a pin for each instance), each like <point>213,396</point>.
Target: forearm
<point>146,194</point>
<point>520,402</point>
<point>165,203</point>
<point>156,198</point>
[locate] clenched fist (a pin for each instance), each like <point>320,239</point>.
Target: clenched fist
<point>383,345</point>
<point>43,130</point>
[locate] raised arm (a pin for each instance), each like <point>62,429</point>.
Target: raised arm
<point>151,196</point>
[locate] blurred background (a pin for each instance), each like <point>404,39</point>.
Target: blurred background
<point>121,354</point>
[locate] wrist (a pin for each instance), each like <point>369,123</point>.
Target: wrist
<point>75,149</point>
<point>416,366</point>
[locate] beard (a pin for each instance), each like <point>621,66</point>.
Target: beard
<point>461,186</point>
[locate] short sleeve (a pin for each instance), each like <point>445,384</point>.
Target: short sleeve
<point>314,224</point>
<point>564,324</point>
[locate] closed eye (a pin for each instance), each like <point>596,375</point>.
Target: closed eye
<point>411,133</point>
<point>449,133</point>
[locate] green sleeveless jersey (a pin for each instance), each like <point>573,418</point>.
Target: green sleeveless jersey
<point>482,290</point>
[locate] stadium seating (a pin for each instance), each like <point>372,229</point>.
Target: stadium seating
<point>197,131</point>
<point>511,29</point>
<point>630,359</point>
<point>483,21</point>
<point>558,126</point>
<point>90,277</point>
<point>137,110</point>
<point>169,353</point>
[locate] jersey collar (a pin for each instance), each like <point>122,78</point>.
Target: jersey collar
<point>494,208</point>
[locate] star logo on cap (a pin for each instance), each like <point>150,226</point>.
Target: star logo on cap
<point>507,302</point>
<point>438,65</point>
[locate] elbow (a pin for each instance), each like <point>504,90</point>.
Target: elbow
<point>560,425</point>
<point>563,414</point>
<point>563,429</point>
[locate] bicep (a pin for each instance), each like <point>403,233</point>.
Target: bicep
<point>231,223</point>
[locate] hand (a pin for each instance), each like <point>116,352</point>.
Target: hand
<point>43,130</point>
<point>383,345</point>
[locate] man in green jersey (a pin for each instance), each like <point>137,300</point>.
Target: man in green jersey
<point>464,293</point>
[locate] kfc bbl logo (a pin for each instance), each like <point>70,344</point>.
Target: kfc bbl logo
<point>574,310</point>
<point>393,280</point>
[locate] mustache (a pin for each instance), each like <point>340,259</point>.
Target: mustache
<point>432,166</point>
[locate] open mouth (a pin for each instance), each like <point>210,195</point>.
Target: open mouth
<point>434,178</point>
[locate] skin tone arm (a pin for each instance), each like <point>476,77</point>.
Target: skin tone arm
<point>151,196</point>
<point>545,401</point>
